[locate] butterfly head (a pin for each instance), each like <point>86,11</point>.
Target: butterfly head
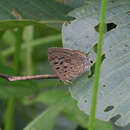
<point>88,60</point>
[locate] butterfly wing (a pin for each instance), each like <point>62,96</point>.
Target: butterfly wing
<point>67,64</point>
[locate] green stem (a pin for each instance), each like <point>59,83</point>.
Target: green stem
<point>98,65</point>
<point>28,36</point>
<point>9,114</point>
<point>17,49</point>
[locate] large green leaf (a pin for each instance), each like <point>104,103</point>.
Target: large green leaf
<point>45,121</point>
<point>114,90</point>
<point>69,108</point>
<point>38,10</point>
<point>75,3</point>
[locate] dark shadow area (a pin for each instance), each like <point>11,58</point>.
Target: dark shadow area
<point>109,27</point>
<point>108,108</point>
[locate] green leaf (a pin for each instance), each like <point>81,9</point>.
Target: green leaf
<point>114,90</point>
<point>75,3</point>
<point>34,10</point>
<point>70,109</point>
<point>45,121</point>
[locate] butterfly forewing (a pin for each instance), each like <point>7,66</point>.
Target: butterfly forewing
<point>67,64</point>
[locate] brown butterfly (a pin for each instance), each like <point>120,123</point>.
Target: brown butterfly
<point>68,64</point>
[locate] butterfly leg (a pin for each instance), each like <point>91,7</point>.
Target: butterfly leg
<point>67,82</point>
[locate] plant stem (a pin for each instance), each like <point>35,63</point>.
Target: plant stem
<point>9,114</point>
<point>17,49</point>
<point>28,36</point>
<point>98,65</point>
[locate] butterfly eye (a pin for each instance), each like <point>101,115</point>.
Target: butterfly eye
<point>91,61</point>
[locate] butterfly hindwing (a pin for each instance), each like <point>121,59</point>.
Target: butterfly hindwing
<point>67,64</point>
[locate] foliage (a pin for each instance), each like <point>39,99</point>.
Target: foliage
<point>114,83</point>
<point>27,29</point>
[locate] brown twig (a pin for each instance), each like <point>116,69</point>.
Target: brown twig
<point>15,78</point>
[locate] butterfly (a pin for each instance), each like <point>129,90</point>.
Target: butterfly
<point>68,64</point>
